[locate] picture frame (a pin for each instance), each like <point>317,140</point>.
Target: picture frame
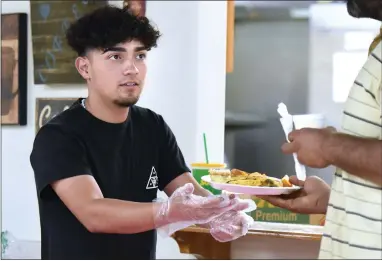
<point>137,7</point>
<point>53,58</point>
<point>230,36</point>
<point>48,108</point>
<point>14,71</point>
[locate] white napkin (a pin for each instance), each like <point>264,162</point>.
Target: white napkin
<point>287,124</point>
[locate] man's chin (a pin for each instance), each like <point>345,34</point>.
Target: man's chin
<point>126,102</point>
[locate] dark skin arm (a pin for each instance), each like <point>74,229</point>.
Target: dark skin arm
<point>319,148</point>
<point>359,156</point>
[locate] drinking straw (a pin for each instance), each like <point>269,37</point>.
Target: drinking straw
<point>205,147</point>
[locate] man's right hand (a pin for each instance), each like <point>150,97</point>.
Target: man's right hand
<point>312,198</point>
<point>184,206</point>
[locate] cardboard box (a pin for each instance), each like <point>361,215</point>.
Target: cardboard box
<point>266,212</point>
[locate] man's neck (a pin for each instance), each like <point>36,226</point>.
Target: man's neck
<point>109,113</point>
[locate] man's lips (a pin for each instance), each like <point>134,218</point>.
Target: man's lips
<point>129,84</point>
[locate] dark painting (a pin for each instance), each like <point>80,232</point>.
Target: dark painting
<point>52,57</point>
<point>48,108</point>
<point>14,69</point>
<point>137,7</point>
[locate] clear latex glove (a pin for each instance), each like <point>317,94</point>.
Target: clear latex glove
<point>232,224</point>
<point>184,209</point>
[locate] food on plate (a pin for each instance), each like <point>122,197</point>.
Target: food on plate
<point>255,175</point>
<point>258,182</point>
<point>220,175</point>
<point>237,174</point>
<point>286,182</point>
<point>240,177</point>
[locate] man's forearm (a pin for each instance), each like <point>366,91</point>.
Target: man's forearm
<point>120,217</point>
<point>359,156</point>
<point>183,179</point>
<point>200,191</point>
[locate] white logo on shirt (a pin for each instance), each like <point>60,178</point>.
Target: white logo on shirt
<point>153,180</point>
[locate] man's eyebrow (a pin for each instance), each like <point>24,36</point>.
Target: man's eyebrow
<point>114,49</point>
<point>121,49</point>
<point>140,48</point>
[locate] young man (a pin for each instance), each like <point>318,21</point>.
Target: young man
<point>98,165</point>
<point>353,228</point>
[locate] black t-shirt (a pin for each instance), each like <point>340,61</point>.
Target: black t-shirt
<point>129,161</point>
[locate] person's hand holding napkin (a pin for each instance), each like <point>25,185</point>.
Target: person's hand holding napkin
<point>307,145</point>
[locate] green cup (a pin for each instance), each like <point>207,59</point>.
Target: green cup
<point>201,169</point>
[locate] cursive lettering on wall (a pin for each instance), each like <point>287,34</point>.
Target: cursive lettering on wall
<point>45,114</point>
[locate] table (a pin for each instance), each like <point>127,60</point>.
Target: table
<point>197,241</point>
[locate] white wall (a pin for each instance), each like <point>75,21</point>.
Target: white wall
<point>19,202</point>
<point>186,81</point>
<point>186,84</point>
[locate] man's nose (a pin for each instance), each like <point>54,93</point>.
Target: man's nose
<point>131,68</point>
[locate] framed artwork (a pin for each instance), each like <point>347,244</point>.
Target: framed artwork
<point>14,69</point>
<point>230,35</point>
<point>137,7</point>
<point>48,108</point>
<point>53,59</point>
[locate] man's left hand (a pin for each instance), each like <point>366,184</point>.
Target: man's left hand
<point>307,143</point>
<point>230,226</point>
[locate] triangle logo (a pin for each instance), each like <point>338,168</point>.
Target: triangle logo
<point>153,179</point>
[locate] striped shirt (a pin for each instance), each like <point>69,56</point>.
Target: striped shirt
<point>353,228</point>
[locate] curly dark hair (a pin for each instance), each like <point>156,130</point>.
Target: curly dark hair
<point>108,26</point>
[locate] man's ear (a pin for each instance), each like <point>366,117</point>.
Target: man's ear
<point>82,65</point>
